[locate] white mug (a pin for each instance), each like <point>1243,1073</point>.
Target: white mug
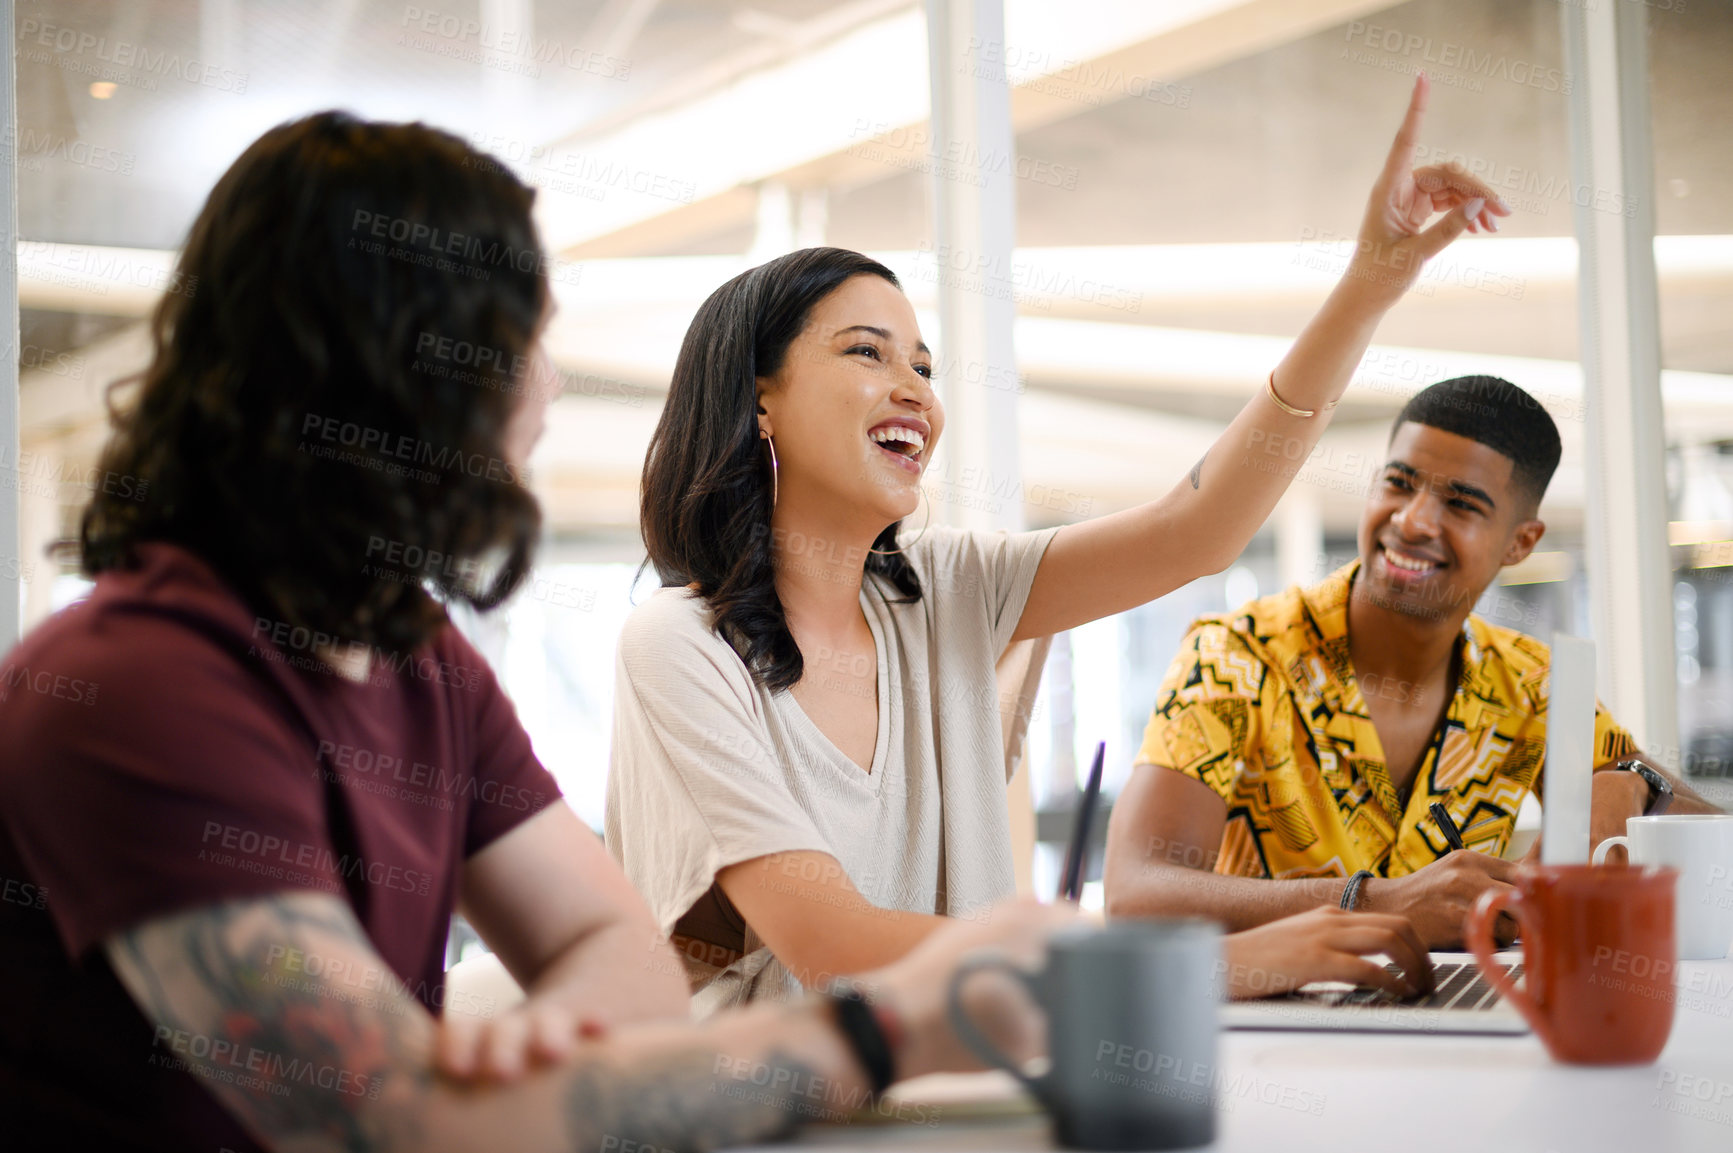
<point>1700,846</point>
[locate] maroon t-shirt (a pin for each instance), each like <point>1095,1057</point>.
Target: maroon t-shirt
<point>163,748</point>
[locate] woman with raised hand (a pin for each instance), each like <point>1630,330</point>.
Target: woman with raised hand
<point>809,760</point>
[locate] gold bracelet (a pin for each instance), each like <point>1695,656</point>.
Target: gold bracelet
<point>1270,387</point>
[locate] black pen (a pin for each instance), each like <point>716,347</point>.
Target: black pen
<point>1441,816</point>
<point>1077,853</point>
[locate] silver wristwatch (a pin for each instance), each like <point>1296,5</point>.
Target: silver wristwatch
<point>1660,788</point>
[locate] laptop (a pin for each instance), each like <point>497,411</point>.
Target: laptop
<point>1461,1002</point>
<point>1570,752</point>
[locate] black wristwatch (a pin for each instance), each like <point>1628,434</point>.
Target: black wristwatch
<point>872,1031</point>
<point>1660,788</point>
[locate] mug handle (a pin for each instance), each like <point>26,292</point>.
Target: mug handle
<point>976,1040</point>
<point>1602,849</point>
<point>1481,920</point>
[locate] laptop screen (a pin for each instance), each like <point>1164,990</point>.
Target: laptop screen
<point>1570,752</point>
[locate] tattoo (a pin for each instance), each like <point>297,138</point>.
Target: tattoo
<point>285,1012</point>
<point>293,1056</point>
<point>691,1100</point>
<point>1197,470</point>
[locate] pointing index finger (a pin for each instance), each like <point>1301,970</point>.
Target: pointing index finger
<point>1407,136</point>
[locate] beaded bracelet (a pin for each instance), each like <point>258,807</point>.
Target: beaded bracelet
<point>1351,891</point>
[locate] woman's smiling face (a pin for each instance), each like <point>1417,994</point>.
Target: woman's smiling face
<point>852,406</point>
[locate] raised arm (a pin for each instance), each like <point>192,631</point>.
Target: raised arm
<point>343,1061</point>
<point>1103,566</point>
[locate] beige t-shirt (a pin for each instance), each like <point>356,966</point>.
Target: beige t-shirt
<point>709,768</point>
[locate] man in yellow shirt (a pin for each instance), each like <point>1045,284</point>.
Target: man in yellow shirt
<point>1302,739</point>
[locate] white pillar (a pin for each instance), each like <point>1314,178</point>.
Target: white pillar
<point>616,27</point>
<point>811,217</point>
<point>1299,525</point>
<point>978,483</point>
<point>11,552</point>
<point>1630,580</point>
<point>975,480</point>
<point>39,526</point>
<point>508,89</point>
<point>220,33</point>
<point>773,233</point>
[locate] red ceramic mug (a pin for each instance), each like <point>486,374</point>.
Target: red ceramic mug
<point>1598,958</point>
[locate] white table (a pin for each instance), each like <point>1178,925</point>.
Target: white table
<point>1348,1093</point>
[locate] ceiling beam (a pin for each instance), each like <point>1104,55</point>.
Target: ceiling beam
<point>1061,60</point>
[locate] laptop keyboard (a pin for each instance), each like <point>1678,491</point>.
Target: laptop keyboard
<point>1459,985</point>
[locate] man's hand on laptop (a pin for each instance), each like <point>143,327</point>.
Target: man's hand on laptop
<point>1437,899</point>
<point>1326,945</point>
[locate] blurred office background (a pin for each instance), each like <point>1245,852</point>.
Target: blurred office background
<point>1184,174</point>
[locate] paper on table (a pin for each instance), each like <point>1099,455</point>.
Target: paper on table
<point>950,1097</point>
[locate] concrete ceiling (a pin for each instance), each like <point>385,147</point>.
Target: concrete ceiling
<point>1163,144</point>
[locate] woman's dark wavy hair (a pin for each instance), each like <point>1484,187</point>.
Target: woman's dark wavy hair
<point>297,428</point>
<point>705,508</point>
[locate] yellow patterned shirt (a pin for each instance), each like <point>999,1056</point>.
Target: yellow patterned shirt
<point>1264,707</point>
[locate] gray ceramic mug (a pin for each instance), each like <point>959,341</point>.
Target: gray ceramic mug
<point>1131,1032</point>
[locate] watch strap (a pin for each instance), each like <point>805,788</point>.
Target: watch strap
<point>872,1032</point>
<point>1660,789</point>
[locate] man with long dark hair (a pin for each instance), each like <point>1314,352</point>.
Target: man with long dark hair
<point>248,781</point>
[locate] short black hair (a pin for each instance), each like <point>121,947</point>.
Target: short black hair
<point>1494,412</point>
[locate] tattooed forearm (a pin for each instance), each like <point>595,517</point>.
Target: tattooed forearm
<point>282,1008</point>
<point>276,1007</point>
<point>1197,470</point>
<point>694,1101</point>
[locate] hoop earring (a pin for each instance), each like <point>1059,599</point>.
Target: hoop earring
<point>775,484</point>
<point>927,520</point>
